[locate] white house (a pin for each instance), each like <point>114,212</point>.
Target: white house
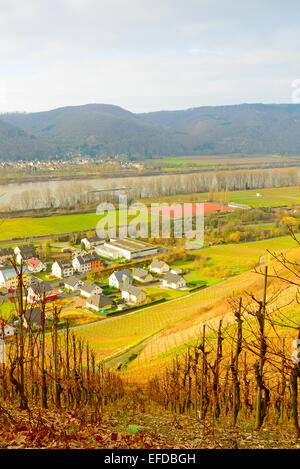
<point>173,281</point>
<point>142,275</point>
<point>99,302</point>
<point>133,294</point>
<point>90,243</point>
<point>25,252</point>
<point>9,278</point>
<point>82,264</point>
<point>89,289</point>
<point>159,267</point>
<point>6,329</point>
<point>40,290</point>
<point>35,265</point>
<point>120,278</point>
<point>73,283</point>
<point>62,269</point>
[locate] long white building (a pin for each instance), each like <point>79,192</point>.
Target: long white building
<point>131,248</point>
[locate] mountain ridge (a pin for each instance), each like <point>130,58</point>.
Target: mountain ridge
<point>95,129</point>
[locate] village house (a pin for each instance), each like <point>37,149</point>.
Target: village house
<point>35,265</point>
<point>96,262</point>
<point>159,267</point>
<point>89,289</point>
<point>173,281</point>
<point>86,262</point>
<point>92,242</point>
<point>82,264</point>
<point>9,279</point>
<point>25,252</point>
<point>99,302</point>
<point>133,295</point>
<point>62,268</point>
<point>6,255</point>
<point>40,290</point>
<point>33,318</point>
<point>119,278</point>
<point>142,275</point>
<point>73,283</point>
<point>6,329</point>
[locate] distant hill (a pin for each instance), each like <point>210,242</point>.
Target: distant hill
<point>245,128</point>
<point>97,128</point>
<point>16,144</point>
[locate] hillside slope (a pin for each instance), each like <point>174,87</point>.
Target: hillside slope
<point>98,128</point>
<point>245,128</point>
<point>209,306</point>
<point>15,143</point>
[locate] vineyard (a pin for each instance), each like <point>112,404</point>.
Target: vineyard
<point>178,320</point>
<point>209,306</point>
<point>227,359</point>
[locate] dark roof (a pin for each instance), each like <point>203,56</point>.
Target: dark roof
<point>28,250</point>
<point>65,264</point>
<point>119,274</point>
<point>41,287</point>
<point>99,301</point>
<point>24,247</point>
<point>135,291</point>
<point>72,281</point>
<point>157,263</point>
<point>33,316</point>
<point>140,273</point>
<point>172,278</point>
<point>95,239</point>
<point>87,258</point>
<point>88,287</point>
<point>6,252</point>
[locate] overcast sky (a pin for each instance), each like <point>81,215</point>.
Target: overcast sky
<point>147,55</point>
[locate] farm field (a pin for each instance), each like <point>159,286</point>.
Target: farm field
<point>22,227</point>
<point>274,197</point>
<point>117,334</point>
<point>224,256</point>
<point>77,317</point>
<point>220,162</point>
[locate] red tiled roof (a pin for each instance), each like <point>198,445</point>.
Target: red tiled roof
<point>33,262</point>
<point>3,323</point>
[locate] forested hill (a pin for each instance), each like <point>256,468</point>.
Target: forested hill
<point>245,128</point>
<point>102,128</point>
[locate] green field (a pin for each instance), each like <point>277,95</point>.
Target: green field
<point>23,227</point>
<point>224,257</point>
<point>274,197</point>
<point>6,308</point>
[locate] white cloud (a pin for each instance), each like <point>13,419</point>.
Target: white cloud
<point>147,55</point>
